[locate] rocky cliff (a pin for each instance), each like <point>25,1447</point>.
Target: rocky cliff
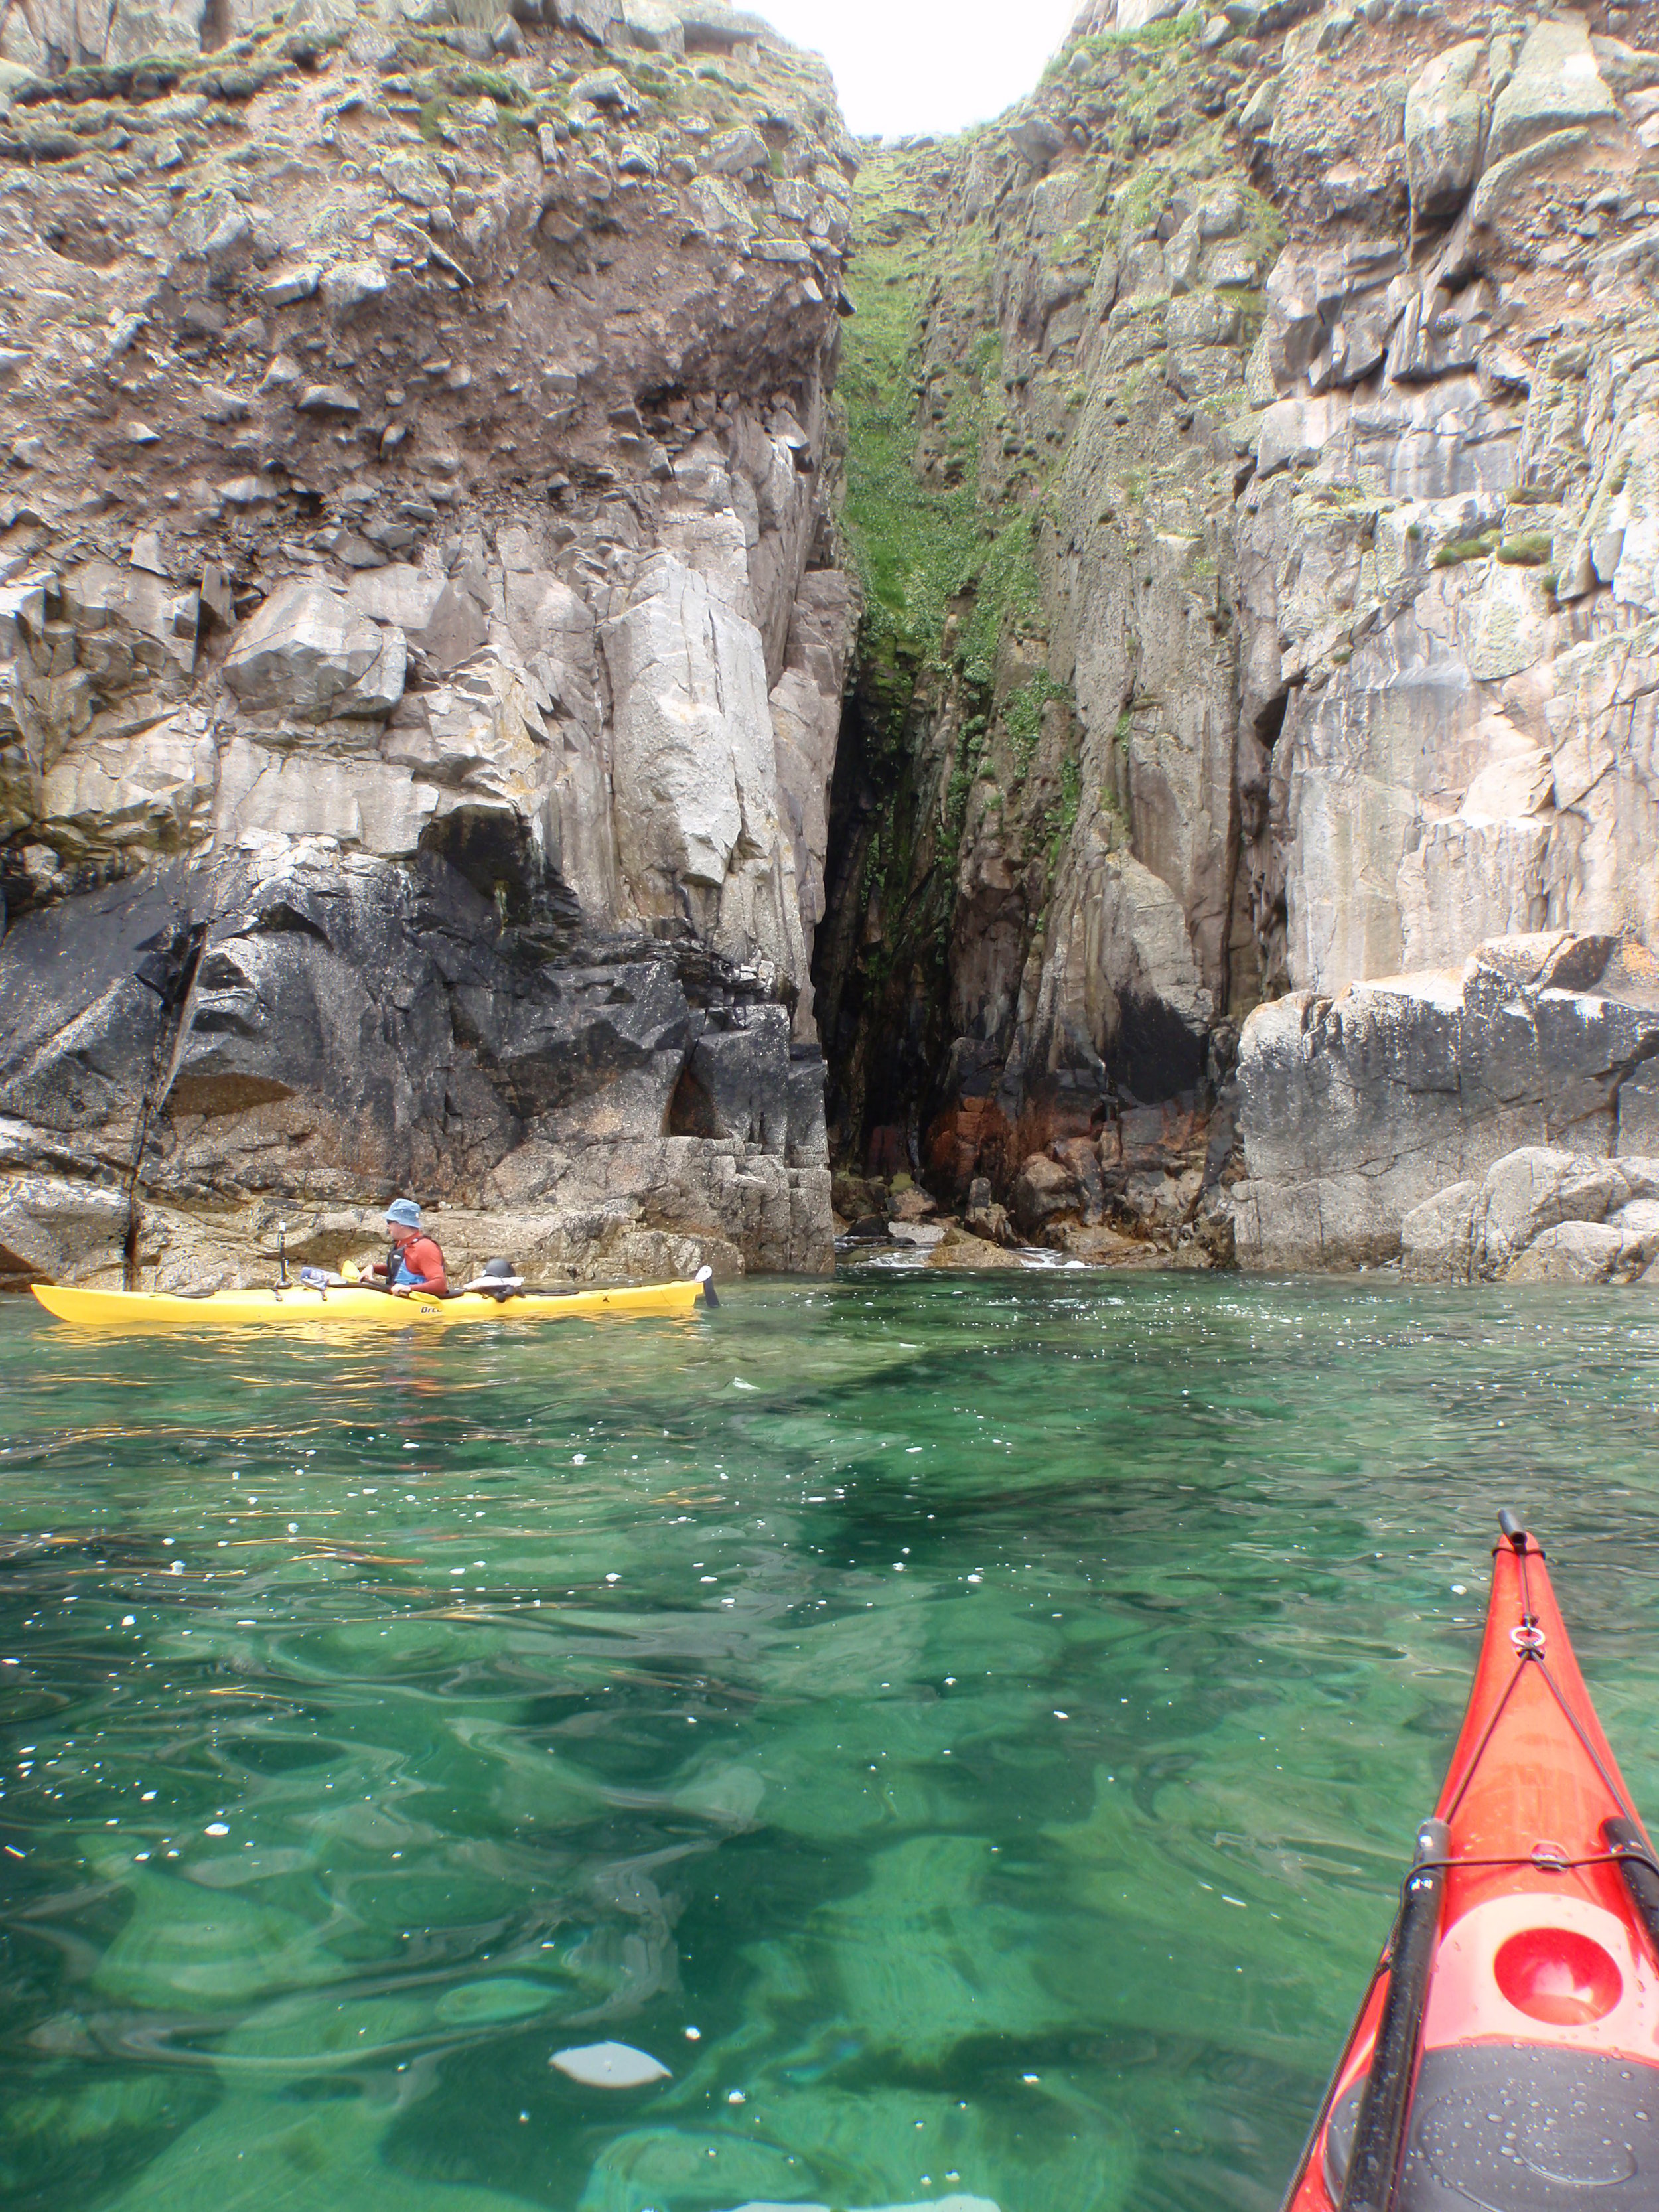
<point>1268,604</point>
<point>1359,1110</point>
<point>421,640</point>
<point>442,745</point>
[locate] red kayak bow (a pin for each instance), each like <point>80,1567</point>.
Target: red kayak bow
<point>1506,2056</point>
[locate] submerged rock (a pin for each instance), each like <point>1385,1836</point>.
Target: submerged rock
<point>968,1252</point>
<point>608,2066</point>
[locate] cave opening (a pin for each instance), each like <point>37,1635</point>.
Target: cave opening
<point>691,1108</point>
<point>839,978</point>
<point>1269,722</point>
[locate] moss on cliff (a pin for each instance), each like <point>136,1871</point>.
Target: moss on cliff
<point>914,541</point>
<point>1016,408</point>
<point>1171,35</point>
<point>1022,716</point>
<point>954,710</point>
<point>928,542</point>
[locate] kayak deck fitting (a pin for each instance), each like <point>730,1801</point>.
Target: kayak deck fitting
<point>295,1305</point>
<point>1506,2056</point>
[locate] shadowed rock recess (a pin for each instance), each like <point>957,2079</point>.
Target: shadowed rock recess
<point>482,697</point>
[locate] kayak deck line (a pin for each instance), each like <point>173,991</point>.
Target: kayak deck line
<point>1505,2054</point>
<point>296,1304</point>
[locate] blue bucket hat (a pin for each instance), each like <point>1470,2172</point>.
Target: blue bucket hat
<point>404,1212</point>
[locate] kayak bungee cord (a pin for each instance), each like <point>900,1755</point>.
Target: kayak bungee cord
<point>1573,1723</point>
<point>1529,1645</point>
<point>1506,2051</point>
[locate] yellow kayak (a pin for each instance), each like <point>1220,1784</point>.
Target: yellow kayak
<point>296,1304</point>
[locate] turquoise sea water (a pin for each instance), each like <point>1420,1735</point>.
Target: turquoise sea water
<point>990,1715</point>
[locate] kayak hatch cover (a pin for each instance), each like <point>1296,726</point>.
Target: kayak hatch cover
<point>1506,2054</point>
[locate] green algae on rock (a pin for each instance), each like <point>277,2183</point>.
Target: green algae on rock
<point>1294,326</point>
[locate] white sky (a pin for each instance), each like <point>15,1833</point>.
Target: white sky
<point>905,65</point>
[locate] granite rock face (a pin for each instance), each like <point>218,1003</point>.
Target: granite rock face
<point>1540,1215</point>
<point>421,643</point>
<point>423,452</point>
<point>1369,1119</point>
<point>377,1030</point>
<point>1303,366</point>
<point>1445,700</point>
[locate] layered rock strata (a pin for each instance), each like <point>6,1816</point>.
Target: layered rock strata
<point>421,640</point>
<point>1276,608</point>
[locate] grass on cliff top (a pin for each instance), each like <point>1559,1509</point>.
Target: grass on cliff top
<point>919,545</point>
<point>1174,31</point>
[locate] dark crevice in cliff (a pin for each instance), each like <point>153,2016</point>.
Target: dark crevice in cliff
<point>1040,910</point>
<point>946,565</point>
<point>879,965</point>
<point>494,853</point>
<point>1270,720</point>
<point>691,1109</point>
<point>169,968</point>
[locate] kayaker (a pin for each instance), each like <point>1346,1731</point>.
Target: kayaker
<point>415,1262</point>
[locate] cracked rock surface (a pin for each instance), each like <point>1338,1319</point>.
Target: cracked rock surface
<point>1300,368</point>
<point>424,628</point>
<point>421,638</point>
<point>1362,1113</point>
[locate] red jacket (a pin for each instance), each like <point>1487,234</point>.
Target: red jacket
<point>420,1257</point>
